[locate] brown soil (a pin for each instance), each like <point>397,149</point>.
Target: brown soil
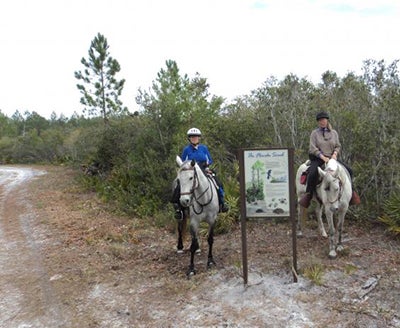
<point>67,260</point>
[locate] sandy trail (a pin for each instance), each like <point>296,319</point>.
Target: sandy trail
<point>27,296</point>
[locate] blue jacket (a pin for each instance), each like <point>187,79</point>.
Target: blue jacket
<point>200,154</point>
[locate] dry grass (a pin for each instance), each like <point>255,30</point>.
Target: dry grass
<point>90,245</point>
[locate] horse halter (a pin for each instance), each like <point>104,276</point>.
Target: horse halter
<point>340,189</point>
<point>195,178</point>
<point>196,185</point>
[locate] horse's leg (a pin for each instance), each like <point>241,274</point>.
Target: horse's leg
<point>301,211</point>
<point>341,216</point>
<point>198,250</point>
<point>193,247</point>
<point>181,230</point>
<point>331,227</point>
<point>321,227</point>
<point>210,239</point>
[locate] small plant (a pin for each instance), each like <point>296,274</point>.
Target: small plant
<point>226,221</point>
<point>315,273</point>
<point>345,252</point>
<point>118,250</point>
<point>350,268</point>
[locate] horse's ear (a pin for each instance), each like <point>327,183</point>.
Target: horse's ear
<point>321,172</point>
<point>178,161</point>
<point>193,162</point>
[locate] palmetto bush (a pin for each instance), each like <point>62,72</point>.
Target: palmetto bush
<point>391,216</point>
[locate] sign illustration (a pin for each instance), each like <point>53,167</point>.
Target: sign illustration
<point>267,183</point>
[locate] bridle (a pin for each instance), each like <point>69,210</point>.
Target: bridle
<point>195,186</point>
<point>339,195</point>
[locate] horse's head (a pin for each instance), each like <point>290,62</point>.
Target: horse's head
<point>188,179</point>
<point>330,190</point>
<point>332,166</point>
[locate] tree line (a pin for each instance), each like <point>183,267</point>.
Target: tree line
<point>131,157</point>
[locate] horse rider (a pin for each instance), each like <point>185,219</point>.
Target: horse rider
<point>324,144</point>
<point>200,153</point>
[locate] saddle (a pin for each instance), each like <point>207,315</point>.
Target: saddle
<point>303,177</point>
<point>211,176</point>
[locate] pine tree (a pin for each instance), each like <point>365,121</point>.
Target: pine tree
<point>100,89</point>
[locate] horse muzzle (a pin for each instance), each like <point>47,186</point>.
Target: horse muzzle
<point>185,200</point>
<point>334,208</point>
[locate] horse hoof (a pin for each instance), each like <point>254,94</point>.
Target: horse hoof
<point>179,251</point>
<point>332,255</point>
<point>211,265</point>
<point>299,233</point>
<point>190,273</point>
<point>340,248</point>
<point>198,251</point>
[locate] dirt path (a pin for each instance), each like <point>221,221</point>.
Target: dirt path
<point>68,261</point>
<point>28,299</point>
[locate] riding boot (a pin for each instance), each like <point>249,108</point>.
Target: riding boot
<point>306,200</point>
<point>178,211</point>
<point>222,206</point>
<point>355,199</point>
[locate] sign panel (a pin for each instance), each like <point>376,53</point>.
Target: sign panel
<point>266,175</point>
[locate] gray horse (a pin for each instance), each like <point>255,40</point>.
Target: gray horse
<point>333,194</point>
<point>199,195</point>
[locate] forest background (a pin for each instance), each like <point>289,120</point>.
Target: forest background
<point>129,158</point>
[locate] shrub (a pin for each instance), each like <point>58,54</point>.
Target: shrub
<point>391,216</point>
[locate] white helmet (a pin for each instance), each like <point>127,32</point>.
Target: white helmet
<point>194,132</point>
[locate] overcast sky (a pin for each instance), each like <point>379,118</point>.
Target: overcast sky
<point>235,44</point>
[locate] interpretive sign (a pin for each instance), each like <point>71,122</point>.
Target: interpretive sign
<point>267,182</point>
<point>267,191</point>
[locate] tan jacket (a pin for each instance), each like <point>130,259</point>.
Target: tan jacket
<point>324,142</point>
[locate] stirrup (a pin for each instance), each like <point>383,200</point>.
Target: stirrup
<point>223,208</point>
<point>178,215</point>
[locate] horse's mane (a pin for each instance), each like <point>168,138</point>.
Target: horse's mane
<point>346,172</point>
<point>342,172</point>
<point>338,169</point>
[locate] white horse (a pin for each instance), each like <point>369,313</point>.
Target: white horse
<point>333,194</point>
<point>199,195</point>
